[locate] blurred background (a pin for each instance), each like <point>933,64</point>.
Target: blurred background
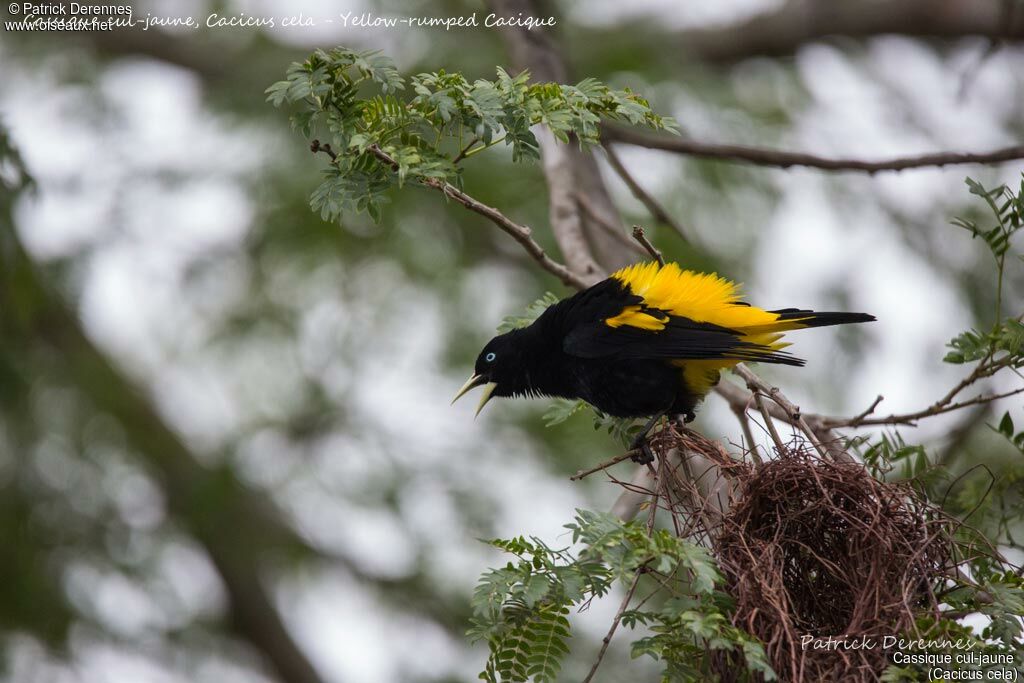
<point>226,449</point>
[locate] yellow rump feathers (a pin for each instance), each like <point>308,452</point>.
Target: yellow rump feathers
<point>698,296</point>
<point>634,317</point>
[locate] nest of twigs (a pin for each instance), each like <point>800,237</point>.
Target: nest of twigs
<point>817,546</point>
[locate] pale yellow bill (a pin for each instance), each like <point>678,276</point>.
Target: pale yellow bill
<point>475,381</point>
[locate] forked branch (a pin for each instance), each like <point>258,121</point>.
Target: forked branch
<point>947,404</point>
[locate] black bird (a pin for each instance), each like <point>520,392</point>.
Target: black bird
<point>648,341</point>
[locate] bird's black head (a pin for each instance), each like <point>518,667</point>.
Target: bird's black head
<point>502,368</point>
<point>502,362</point>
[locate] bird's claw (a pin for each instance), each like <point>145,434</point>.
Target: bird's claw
<point>646,455</point>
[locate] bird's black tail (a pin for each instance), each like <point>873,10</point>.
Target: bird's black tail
<point>806,318</point>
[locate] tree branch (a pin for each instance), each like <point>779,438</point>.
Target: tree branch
<point>870,409</point>
<point>658,213</point>
<point>465,150</point>
<point>796,23</point>
<point>768,422</point>
<point>587,248</point>
<point>316,146</point>
<point>641,237</point>
<point>760,387</point>
<point>824,440</point>
<point>566,221</point>
<point>741,415</point>
<point>821,426</point>
<point>912,418</point>
<point>738,399</point>
<point>604,465</point>
<point>985,368</point>
<point>520,233</point>
<point>782,159</point>
<point>606,641</point>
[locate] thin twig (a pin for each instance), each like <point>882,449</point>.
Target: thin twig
<point>741,416</point>
<point>315,146</point>
<point>912,418</point>
<point>738,399</point>
<point>615,625</point>
<point>758,386</point>
<point>625,601</point>
<point>783,159</point>
<point>768,422</point>
<point>656,210</point>
<point>639,236</point>
<point>871,408</point>
<point>985,368</point>
<point>465,150</point>
<point>605,465</point>
<point>519,233</point>
<point>822,426</point>
<point>634,493</point>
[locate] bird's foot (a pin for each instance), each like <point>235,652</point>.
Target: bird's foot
<point>689,417</point>
<point>646,455</point>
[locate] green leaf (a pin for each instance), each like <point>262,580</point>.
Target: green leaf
<point>532,312</point>
<point>546,635</point>
<point>536,588</point>
<point>1006,426</point>
<point>705,572</point>
<point>753,653</point>
<point>562,409</point>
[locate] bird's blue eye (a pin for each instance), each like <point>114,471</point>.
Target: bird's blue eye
<point>489,357</point>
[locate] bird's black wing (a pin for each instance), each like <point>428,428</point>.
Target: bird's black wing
<point>586,334</point>
<point>681,339</point>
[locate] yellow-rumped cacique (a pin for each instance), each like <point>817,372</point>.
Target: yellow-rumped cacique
<point>648,341</point>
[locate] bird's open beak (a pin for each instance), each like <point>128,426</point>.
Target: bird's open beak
<point>475,381</point>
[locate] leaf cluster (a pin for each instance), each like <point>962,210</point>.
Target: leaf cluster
<point>1008,210</point>
<point>973,345</point>
<point>891,453</point>
<point>527,317</point>
<point>686,634</point>
<point>521,610</point>
<point>1007,334</point>
<point>431,123</point>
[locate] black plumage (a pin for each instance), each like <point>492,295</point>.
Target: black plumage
<point>627,347</point>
